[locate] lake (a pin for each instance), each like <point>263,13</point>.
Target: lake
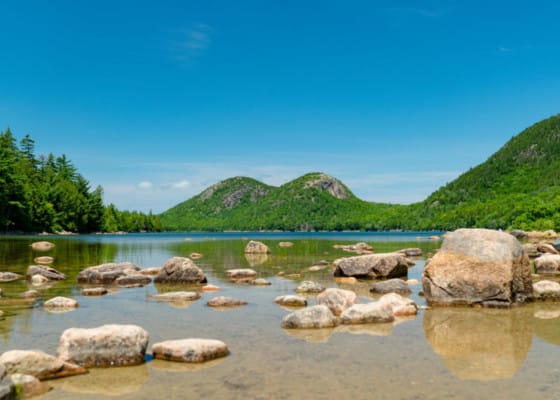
<point>451,353</point>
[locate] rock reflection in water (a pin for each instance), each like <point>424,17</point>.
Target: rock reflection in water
<point>106,381</point>
<point>171,366</point>
<point>381,329</point>
<point>256,259</point>
<point>311,335</point>
<point>547,323</point>
<point>480,344</point>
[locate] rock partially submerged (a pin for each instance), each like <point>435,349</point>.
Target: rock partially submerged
<point>190,350</point>
<point>135,280</point>
<point>544,290</point>
<point>48,272</point>
<point>314,317</point>
<point>401,306</point>
<point>61,302</point>
<point>254,247</point>
<point>94,291</point>
<point>547,264</point>
<point>382,265</point>
<point>104,346</point>
<point>38,364</point>
<point>42,246</point>
<point>310,287</point>
<point>176,296</point>
<point>478,266</point>
<point>106,273</point>
<point>291,300</point>
<point>411,252</point>
<point>43,260</point>
<point>241,273</point>
<point>337,300</point>
<point>223,301</point>
<point>9,276</point>
<point>360,248</point>
<point>394,285</point>
<point>374,312</point>
<point>28,385</point>
<point>180,270</point>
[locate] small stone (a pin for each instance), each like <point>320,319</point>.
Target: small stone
<point>291,300</point>
<point>400,305</point>
<point>30,294</point>
<point>412,282</point>
<point>260,282</point>
<point>150,271</point>
<point>9,276</point>
<point>241,273</point>
<point>136,280</point>
<point>310,287</point>
<point>543,290</point>
<point>97,291</point>
<point>38,280</point>
<point>38,364</point>
<point>43,260</point>
<point>42,246</point>
<point>315,268</point>
<point>61,302</point>
<point>176,296</point>
<point>180,270</point>
<point>190,350</point>
<point>285,244</point>
<point>390,286</point>
<point>337,300</point>
<point>223,301</point>
<point>350,280</point>
<point>48,272</point>
<point>211,288</point>
<point>196,256</point>
<point>411,252</point>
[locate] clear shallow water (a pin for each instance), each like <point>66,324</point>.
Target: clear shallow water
<point>441,353</point>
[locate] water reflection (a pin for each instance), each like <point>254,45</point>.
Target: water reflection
<point>547,323</point>
<point>480,344</point>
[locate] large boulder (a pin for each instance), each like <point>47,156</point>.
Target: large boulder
<point>478,266</point>
<point>7,387</point>
<point>382,265</point>
<point>106,273</point>
<point>38,364</point>
<point>190,350</point>
<point>48,272</point>
<point>337,300</point>
<point>548,264</point>
<point>394,285</point>
<point>318,316</point>
<point>180,270</point>
<point>104,346</point>
<point>254,247</point>
<point>368,313</point>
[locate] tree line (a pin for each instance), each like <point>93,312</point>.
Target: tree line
<point>48,194</point>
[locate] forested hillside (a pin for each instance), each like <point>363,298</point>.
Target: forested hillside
<point>46,193</point>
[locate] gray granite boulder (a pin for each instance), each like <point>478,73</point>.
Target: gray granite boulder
<point>544,290</point>
<point>382,265</point>
<point>106,273</point>
<point>337,300</point>
<point>180,270</point>
<point>547,264</point>
<point>254,247</point>
<point>190,350</point>
<point>394,285</point>
<point>104,346</point>
<point>48,272</point>
<point>368,313</point>
<point>478,266</point>
<point>318,316</point>
<point>38,364</point>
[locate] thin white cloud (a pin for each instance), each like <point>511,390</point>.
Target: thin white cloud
<point>145,185</point>
<point>181,185</point>
<point>503,49</point>
<point>192,42</point>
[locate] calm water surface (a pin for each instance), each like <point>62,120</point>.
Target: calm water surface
<point>442,353</point>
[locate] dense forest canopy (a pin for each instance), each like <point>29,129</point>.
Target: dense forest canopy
<point>46,193</point>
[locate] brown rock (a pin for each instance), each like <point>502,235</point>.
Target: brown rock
<point>190,350</point>
<point>548,264</point>
<point>38,364</point>
<point>382,265</point>
<point>43,260</point>
<point>180,270</point>
<point>337,300</point>
<point>254,247</point>
<point>42,246</point>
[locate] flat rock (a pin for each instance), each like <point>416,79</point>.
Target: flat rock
<point>382,265</point>
<point>401,306</point>
<point>345,280</point>
<point>395,285</point>
<point>96,291</point>
<point>548,264</point>
<point>223,301</point>
<point>254,247</point>
<point>38,280</point>
<point>318,316</point>
<point>133,280</point>
<point>106,273</point>
<point>42,246</point>
<point>241,273</point>
<point>176,296</point>
<point>29,386</point>
<point>180,270</point>
<point>196,256</point>
<point>291,300</point>
<point>48,272</point>
<point>337,300</point>
<point>38,364</point>
<point>310,287</point>
<point>104,346</point>
<point>43,260</point>
<point>9,276</point>
<point>478,266</point>
<point>260,282</point>
<point>544,290</point>
<point>374,312</point>
<point>285,244</point>
<point>211,288</point>
<point>190,350</point>
<point>61,302</point>
<point>411,252</point>
<point>152,271</point>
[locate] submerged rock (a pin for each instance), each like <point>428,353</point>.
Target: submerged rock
<point>337,300</point>
<point>190,350</point>
<point>395,285</point>
<point>38,364</point>
<point>374,312</point>
<point>314,317</point>
<point>310,287</point>
<point>106,273</point>
<point>382,265</point>
<point>223,301</point>
<point>104,346</point>
<point>176,296</point>
<point>478,266</point>
<point>254,247</point>
<point>291,300</point>
<point>180,270</point>
<point>48,272</point>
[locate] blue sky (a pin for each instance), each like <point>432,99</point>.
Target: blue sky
<point>155,101</point>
